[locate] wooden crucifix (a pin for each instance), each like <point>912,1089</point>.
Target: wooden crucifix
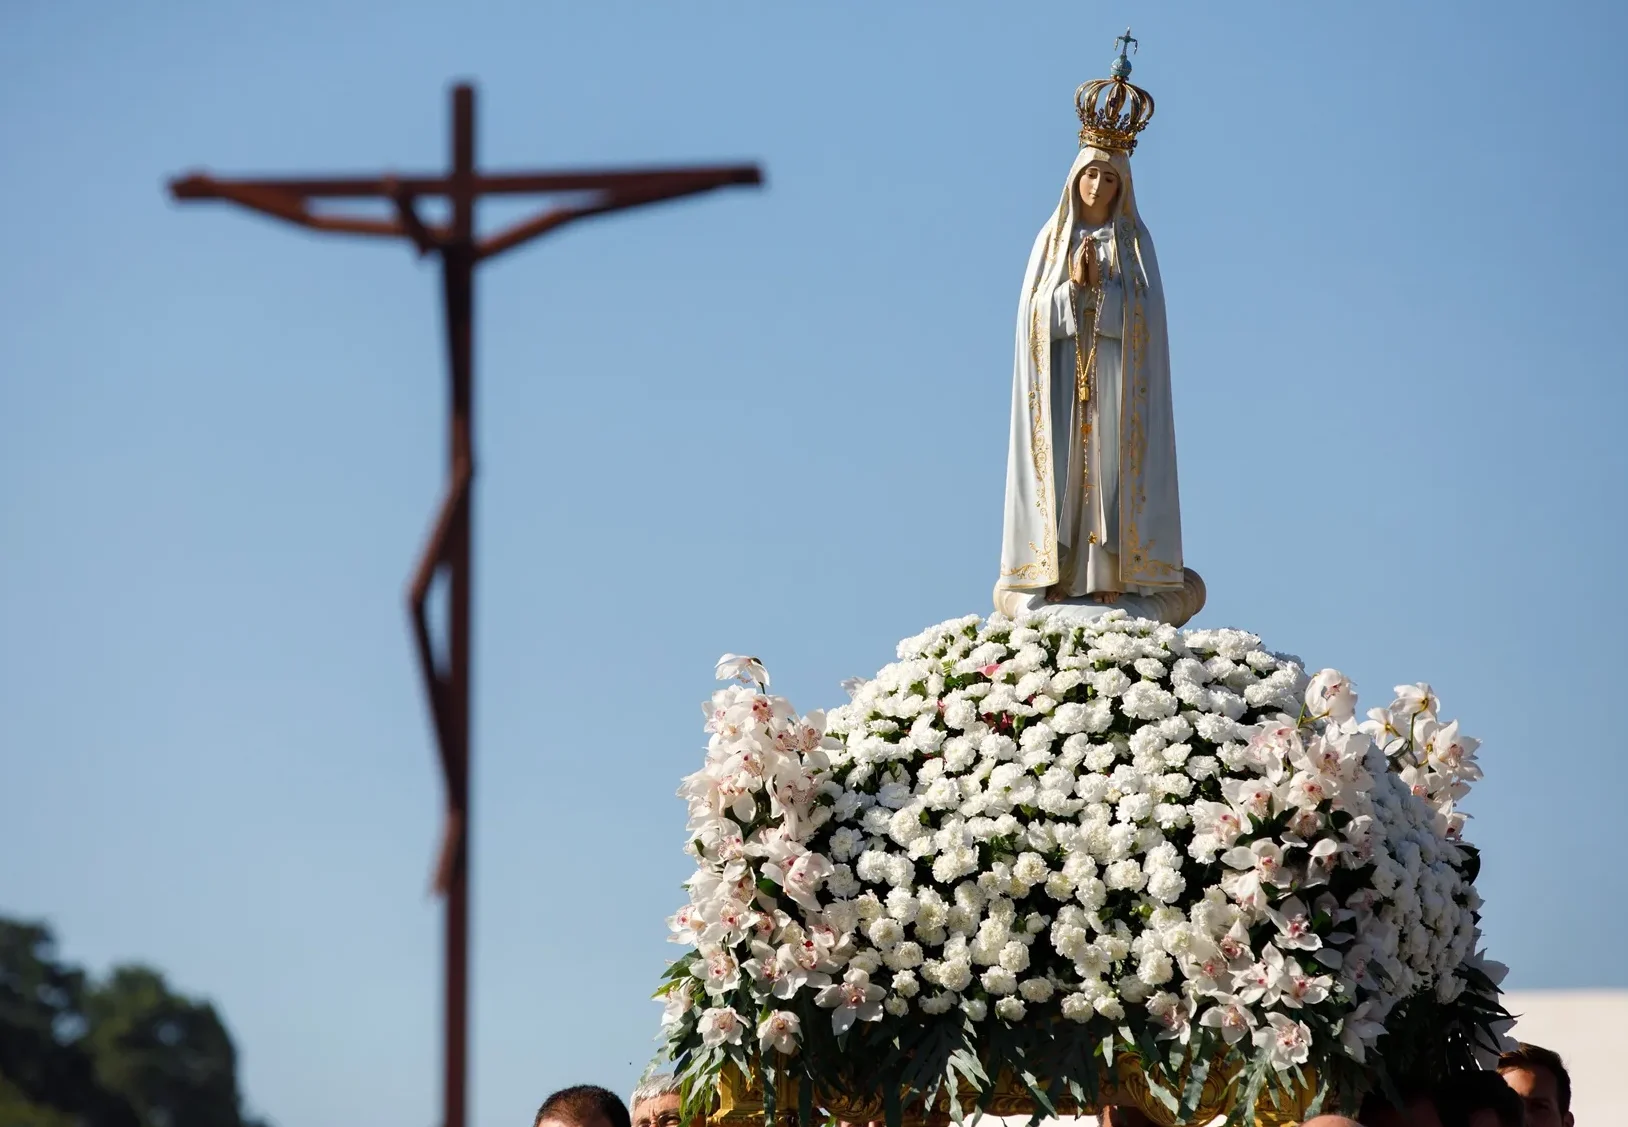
<point>461,250</point>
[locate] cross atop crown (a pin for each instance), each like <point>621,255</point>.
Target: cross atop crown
<point>1121,67</point>
<point>1112,111</point>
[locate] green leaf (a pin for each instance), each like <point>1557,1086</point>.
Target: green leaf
<point>805,1102</point>
<point>891,1111</point>
<point>1041,1098</point>
<point>1153,1069</point>
<point>1193,1090</point>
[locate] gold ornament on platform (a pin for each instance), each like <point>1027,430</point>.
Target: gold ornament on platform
<point>740,1101</point>
<point>1112,111</point>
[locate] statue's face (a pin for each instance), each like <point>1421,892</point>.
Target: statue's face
<point>1098,187</point>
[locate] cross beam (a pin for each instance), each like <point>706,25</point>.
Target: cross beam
<point>460,250</point>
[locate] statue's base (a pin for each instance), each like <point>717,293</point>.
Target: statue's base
<point>1174,606</point>
<point>1123,1085</point>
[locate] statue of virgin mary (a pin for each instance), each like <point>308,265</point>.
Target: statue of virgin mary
<point>1093,514</point>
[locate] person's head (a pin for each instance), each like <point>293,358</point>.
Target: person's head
<point>1331,1121</point>
<point>582,1106</point>
<point>1097,186</point>
<point>1540,1078</point>
<point>1417,1109</point>
<point>1479,1099</point>
<point>656,1101</point>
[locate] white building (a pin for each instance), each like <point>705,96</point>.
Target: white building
<point>1589,1029</point>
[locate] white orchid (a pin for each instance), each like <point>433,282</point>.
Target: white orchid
<point>1414,700</point>
<point>1359,1030</point>
<point>795,969</point>
<point>747,670</point>
<point>781,1031</point>
<point>1219,819</point>
<point>1331,694</point>
<point>852,999</point>
<point>1266,857</point>
<point>1294,926</point>
<point>1297,988</point>
<point>718,971</point>
<point>720,1026</point>
<point>686,926</point>
<point>1174,1014</point>
<point>801,879</point>
<point>1250,796</point>
<point>1262,982</point>
<point>1231,1016</point>
<point>1287,1042</point>
<point>675,1003</point>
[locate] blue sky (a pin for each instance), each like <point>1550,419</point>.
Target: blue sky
<point>773,422</point>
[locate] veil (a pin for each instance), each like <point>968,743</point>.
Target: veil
<point>1149,532</point>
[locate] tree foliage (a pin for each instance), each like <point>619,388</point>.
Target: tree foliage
<point>123,1050</point>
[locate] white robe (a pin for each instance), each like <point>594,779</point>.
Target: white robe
<point>1092,500</point>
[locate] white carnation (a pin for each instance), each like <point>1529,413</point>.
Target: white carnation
<point>1110,1008</point>
<point>1091,893</point>
<point>1151,668</point>
<point>1136,807</point>
<point>867,962</point>
<point>1010,1009</point>
<point>1110,682</point>
<point>885,931</point>
<point>925,736</point>
<point>1100,757</point>
<point>1036,989</point>
<point>1146,701</point>
<point>902,906</point>
<point>956,974</point>
<point>1165,885</point>
<point>1014,956</point>
<point>954,862</point>
<point>872,866</point>
<point>905,826</point>
<point>842,883</point>
<point>1077,1007</point>
<point>1099,716</point>
<point>1126,874</point>
<point>893,795</point>
<point>1030,869</point>
<point>1202,766</point>
<point>998,980</point>
<point>904,956</point>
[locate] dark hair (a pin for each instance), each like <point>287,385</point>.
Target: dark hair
<point>581,1105</point>
<point>1463,1094</point>
<point>1533,1057</point>
<point>1376,1102</point>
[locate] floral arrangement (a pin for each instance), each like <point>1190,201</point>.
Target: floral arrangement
<point>1027,846</point>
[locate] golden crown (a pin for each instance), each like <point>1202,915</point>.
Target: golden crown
<point>1112,111</point>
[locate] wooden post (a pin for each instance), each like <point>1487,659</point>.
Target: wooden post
<point>449,550</point>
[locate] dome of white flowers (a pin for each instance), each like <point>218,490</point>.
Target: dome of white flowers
<point>1026,842</point>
